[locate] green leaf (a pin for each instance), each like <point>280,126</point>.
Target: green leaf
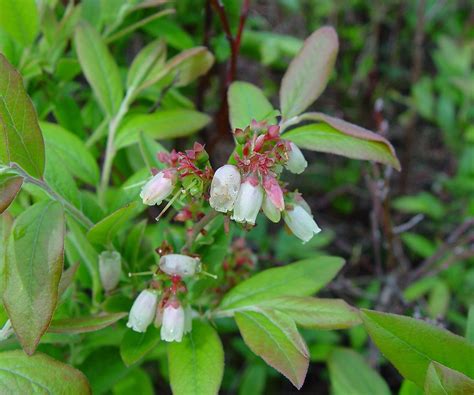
<point>440,380</point>
<point>39,374</point>
<point>20,20</point>
<point>6,224</point>
<point>137,381</point>
<point>149,149</point>
<point>314,312</point>
<point>253,379</point>
<point>73,152</point>
<point>470,324</point>
<point>350,374</point>
<point>189,65</point>
<point>148,64</point>
<point>438,301</point>
<point>10,185</point>
<point>67,278</point>
<point>163,124</point>
<point>339,137</point>
<point>419,244</point>
<point>411,345</point>
<point>21,141</point>
<point>34,263</point>
<point>84,324</point>
<point>302,278</point>
<point>247,102</point>
<point>99,67</point>
<point>273,336</point>
<point>309,72</point>
<point>424,203</point>
<point>136,345</point>
<point>409,388</point>
<point>196,365</point>
<point>104,231</point>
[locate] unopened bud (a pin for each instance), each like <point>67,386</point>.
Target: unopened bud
<point>272,212</point>
<point>248,202</point>
<point>173,323</point>
<point>296,162</point>
<point>158,188</point>
<point>180,265</point>
<point>301,223</point>
<point>143,311</point>
<point>109,269</point>
<point>225,188</point>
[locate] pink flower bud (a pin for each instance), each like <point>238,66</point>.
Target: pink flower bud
<point>143,311</point>
<point>272,212</point>
<point>180,265</point>
<point>274,192</point>
<point>224,188</point>
<point>159,187</point>
<point>296,162</point>
<point>172,326</point>
<point>109,269</point>
<point>248,202</point>
<point>301,223</point>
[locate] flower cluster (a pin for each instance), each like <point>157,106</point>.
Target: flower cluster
<point>164,308</point>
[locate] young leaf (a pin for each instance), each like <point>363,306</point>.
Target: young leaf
<point>161,125</point>
<point>84,324</point>
<point>440,380</point>
<point>148,64</point>
<point>410,354</point>
<point>302,278</point>
<point>339,137</point>
<point>247,102</point>
<point>99,67</point>
<point>315,312</point>
<point>196,365</point>
<point>20,20</point>
<point>73,153</point>
<point>104,231</point>
<point>273,336</point>
<point>350,374</point>
<point>189,65</point>
<point>136,345</point>
<point>21,141</point>
<point>34,263</point>
<point>39,374</point>
<point>309,72</point>
<point>10,185</point>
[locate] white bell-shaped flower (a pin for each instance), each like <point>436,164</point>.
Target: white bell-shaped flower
<point>271,211</point>
<point>301,223</point>
<point>173,323</point>
<point>296,162</point>
<point>180,265</point>
<point>109,269</point>
<point>224,188</point>
<point>143,311</point>
<point>248,202</point>
<point>158,188</point>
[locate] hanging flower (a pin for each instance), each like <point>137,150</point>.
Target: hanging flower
<point>173,322</point>
<point>180,265</point>
<point>301,223</point>
<point>109,269</point>
<point>224,188</point>
<point>159,187</point>
<point>143,311</point>
<point>296,162</point>
<point>249,201</point>
<point>272,212</point>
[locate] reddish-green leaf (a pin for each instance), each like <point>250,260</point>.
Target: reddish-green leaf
<point>309,72</point>
<point>440,380</point>
<point>10,185</point>
<point>411,345</point>
<point>273,336</point>
<point>302,278</point>
<point>84,324</point>
<point>196,365</point>
<point>339,137</point>
<point>39,374</point>
<point>315,312</point>
<point>34,263</point>
<point>21,141</point>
